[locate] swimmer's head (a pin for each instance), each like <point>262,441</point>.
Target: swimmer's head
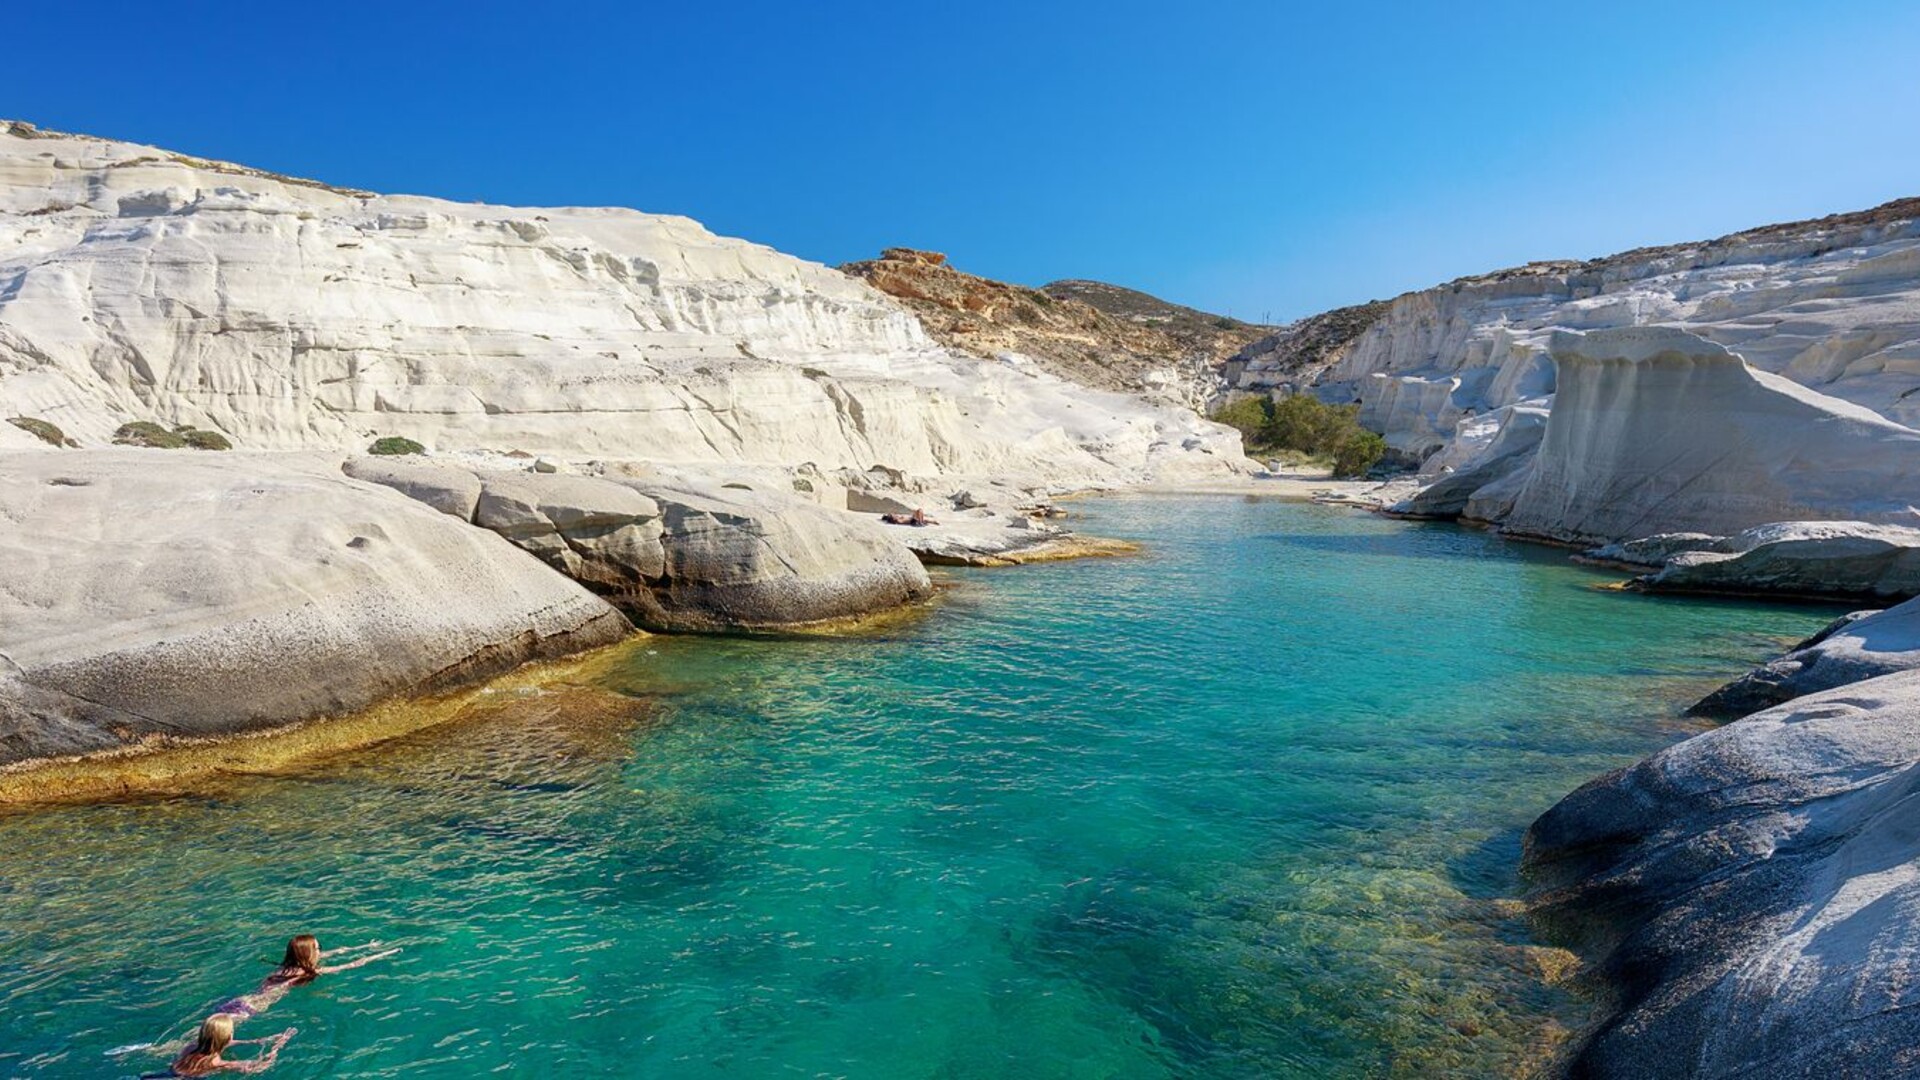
<point>303,956</point>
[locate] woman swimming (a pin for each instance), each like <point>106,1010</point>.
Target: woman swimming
<point>203,1057</point>
<point>300,965</point>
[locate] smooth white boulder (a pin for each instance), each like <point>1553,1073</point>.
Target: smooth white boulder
<point>1508,453</point>
<point>1655,430</point>
<point>1757,891</point>
<point>1860,646</point>
<point>155,593</point>
<point>674,552</point>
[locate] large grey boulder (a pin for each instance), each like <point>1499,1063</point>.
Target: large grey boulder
<point>741,559</point>
<point>675,556</point>
<point>1799,558</point>
<point>1863,645</point>
<point>1757,892</point>
<point>144,593</point>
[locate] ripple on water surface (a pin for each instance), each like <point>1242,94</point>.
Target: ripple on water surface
<point>1244,806</point>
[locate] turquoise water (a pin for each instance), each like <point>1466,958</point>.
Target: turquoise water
<point>1244,806</point>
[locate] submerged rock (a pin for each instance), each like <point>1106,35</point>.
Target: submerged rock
<point>1863,645</point>
<point>675,557</point>
<point>1756,887</point>
<point>146,594</point>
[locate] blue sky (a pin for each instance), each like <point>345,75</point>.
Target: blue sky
<point>1253,157</point>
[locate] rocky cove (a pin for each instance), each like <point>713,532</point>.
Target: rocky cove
<point>630,425</point>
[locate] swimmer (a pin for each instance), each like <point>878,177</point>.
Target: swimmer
<point>299,966</point>
<point>202,1057</point>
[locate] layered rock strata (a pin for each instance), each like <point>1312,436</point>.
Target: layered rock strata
<point>138,284</point>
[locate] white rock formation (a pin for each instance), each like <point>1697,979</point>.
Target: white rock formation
<point>672,554</point>
<point>1757,890</point>
<point>141,284</point>
<point>152,592</point>
<point>1513,438</point>
<point>1655,430</point>
<point>1798,558</point>
<point>1832,304</point>
<point>1856,647</point>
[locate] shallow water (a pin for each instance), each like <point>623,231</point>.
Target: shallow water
<point>1243,806</point>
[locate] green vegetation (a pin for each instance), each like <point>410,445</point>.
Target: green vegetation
<point>1305,425</point>
<point>204,440</point>
<point>396,444</point>
<point>1248,415</point>
<point>148,434</point>
<point>154,437</point>
<point>40,429</point>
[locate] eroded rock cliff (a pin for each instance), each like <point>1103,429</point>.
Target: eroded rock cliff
<point>1832,304</point>
<point>1086,332</point>
<point>139,284</point>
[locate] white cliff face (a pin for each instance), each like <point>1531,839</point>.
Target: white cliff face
<point>1655,430</point>
<point>136,284</point>
<point>1832,304</point>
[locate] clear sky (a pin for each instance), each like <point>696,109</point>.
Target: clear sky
<point>1252,157</point>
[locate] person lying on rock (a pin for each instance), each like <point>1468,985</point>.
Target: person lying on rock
<point>203,1056</point>
<point>299,966</point>
<point>916,519</point>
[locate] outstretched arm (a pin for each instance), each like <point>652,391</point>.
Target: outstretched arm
<point>361,962</point>
<point>347,950</point>
<point>264,1061</point>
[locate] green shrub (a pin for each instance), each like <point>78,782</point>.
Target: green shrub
<point>205,440</point>
<point>149,434</point>
<point>1305,426</point>
<point>40,429</point>
<point>1248,415</point>
<point>1359,451</point>
<point>396,444</point>
<point>1305,423</point>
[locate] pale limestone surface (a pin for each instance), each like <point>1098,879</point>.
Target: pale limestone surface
<point>1655,430</point>
<point>140,284</point>
<point>1799,558</point>
<point>155,592</point>
<point>1758,893</point>
<point>1833,305</point>
<point>675,552</point>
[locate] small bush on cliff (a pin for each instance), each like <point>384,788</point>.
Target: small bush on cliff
<point>205,440</point>
<point>396,444</point>
<point>40,429</point>
<point>154,437</point>
<point>148,434</point>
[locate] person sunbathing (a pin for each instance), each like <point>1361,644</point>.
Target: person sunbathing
<point>204,1056</point>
